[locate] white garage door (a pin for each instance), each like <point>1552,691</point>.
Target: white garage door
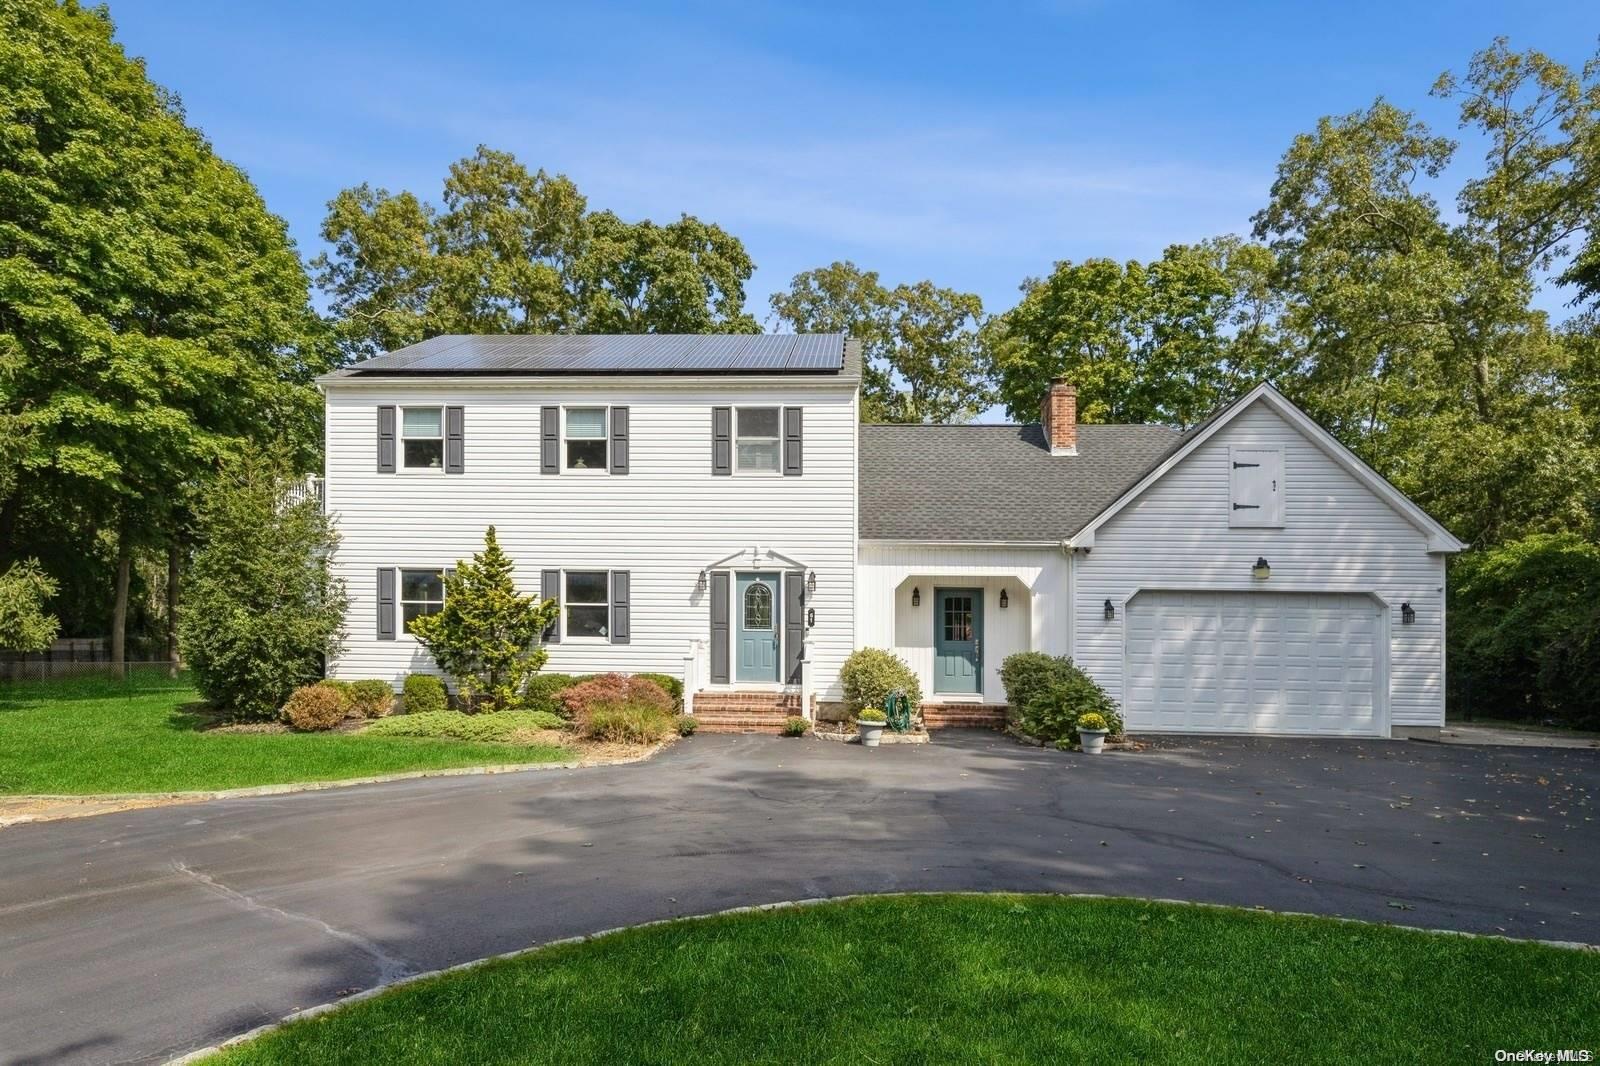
<point>1254,662</point>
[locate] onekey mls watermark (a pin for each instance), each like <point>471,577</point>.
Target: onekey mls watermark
<point>1530,1055</point>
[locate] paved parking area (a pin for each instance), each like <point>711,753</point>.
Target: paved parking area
<point>138,935</point>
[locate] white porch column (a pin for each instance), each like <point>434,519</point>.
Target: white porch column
<point>691,676</point>
<point>805,680</point>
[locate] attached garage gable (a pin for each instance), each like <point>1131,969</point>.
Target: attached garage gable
<point>1255,662</point>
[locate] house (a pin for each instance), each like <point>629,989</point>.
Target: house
<point>708,506</point>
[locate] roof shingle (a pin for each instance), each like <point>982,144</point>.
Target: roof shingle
<point>996,483</point>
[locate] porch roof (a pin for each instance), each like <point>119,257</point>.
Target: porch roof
<point>996,483</point>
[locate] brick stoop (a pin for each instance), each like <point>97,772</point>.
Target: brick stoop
<point>744,712</point>
<point>963,716</point>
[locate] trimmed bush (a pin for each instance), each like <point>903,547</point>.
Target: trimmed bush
<point>795,726</point>
<point>1054,713</point>
<point>870,674</point>
<point>313,708</point>
<point>614,689</point>
<point>542,691</point>
<point>424,693</point>
<point>1028,673</point>
<point>687,724</point>
<point>343,688</point>
<point>628,723</point>
<point>671,685</point>
<point>495,727</point>
<point>371,698</point>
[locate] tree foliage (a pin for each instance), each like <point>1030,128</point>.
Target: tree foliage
<point>263,610</point>
<point>921,344</point>
<point>154,315</point>
<point>1157,342</point>
<point>514,251</point>
<point>25,625</point>
<point>486,635</point>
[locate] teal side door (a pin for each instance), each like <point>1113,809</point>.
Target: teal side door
<point>958,640</point>
<point>756,626</point>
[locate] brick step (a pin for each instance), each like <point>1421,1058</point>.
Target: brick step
<point>959,716</point>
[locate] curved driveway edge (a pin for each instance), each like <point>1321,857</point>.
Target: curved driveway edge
<point>143,935</point>
<point>535,949</point>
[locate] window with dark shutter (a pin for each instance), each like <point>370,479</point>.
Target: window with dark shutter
<point>550,589</point>
<point>386,440</point>
<point>386,601</point>
<point>550,440</point>
<point>454,440</point>
<point>722,441</point>
<point>619,441</point>
<point>621,607</point>
<point>793,441</point>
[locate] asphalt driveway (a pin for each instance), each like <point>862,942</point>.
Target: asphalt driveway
<point>139,935</point>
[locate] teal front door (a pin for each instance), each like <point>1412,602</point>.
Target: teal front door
<point>756,627</point>
<point>958,640</point>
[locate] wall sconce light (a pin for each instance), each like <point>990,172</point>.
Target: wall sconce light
<point>1005,601</point>
<point>700,586</point>
<point>916,596</point>
<point>811,618</point>
<point>1408,614</point>
<point>1261,571</point>
<point>1111,611</point>
<point>811,584</point>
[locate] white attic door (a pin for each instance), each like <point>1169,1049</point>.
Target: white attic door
<point>1255,487</point>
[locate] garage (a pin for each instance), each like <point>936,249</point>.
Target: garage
<point>1255,662</point>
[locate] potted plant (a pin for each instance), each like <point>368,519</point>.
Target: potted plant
<point>869,723</point>
<point>1092,730</point>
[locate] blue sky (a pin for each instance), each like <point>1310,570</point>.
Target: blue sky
<point>971,144</point>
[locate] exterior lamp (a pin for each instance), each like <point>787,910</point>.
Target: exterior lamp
<point>1005,601</point>
<point>700,586</point>
<point>916,596</point>
<point>1408,614</point>
<point>1261,571</point>
<point>1111,611</point>
<point>811,584</point>
<point>811,618</point>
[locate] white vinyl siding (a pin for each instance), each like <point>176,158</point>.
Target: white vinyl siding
<point>1336,537</point>
<point>665,522</point>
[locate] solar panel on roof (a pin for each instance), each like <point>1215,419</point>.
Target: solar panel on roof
<point>611,354</point>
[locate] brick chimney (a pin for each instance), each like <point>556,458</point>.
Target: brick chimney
<point>1059,416</point>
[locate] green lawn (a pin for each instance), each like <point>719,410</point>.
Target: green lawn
<point>93,735</point>
<point>996,979</point>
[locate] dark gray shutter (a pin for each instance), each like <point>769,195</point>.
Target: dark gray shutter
<point>794,622</point>
<point>549,440</point>
<point>621,607</point>
<point>722,440</point>
<point>386,440</point>
<point>793,442</point>
<point>386,600</point>
<point>619,442</point>
<point>550,589</point>
<point>719,626</point>
<point>454,434</point>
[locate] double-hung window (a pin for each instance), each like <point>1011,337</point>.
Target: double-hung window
<point>588,604</point>
<point>757,444</point>
<point>422,438</point>
<point>585,439</point>
<point>421,593</point>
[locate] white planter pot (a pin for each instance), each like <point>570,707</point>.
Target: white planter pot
<point>871,733</point>
<point>1093,740</point>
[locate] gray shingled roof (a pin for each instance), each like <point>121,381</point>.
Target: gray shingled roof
<point>996,483</point>
<point>651,353</point>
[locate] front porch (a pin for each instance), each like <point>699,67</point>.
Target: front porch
<point>955,612</point>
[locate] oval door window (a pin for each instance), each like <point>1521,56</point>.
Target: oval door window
<point>758,607</point>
